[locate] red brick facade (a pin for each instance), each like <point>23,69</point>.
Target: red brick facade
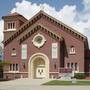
<point>54,32</point>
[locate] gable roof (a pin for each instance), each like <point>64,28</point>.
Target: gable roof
<point>59,24</point>
<point>15,14</point>
<point>43,29</point>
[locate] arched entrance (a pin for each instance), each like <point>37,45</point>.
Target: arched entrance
<point>38,66</point>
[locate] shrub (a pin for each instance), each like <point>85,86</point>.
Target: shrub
<point>79,75</point>
<point>2,79</point>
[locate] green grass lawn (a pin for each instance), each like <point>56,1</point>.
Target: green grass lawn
<point>59,82</point>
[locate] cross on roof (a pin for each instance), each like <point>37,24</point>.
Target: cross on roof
<point>42,7</point>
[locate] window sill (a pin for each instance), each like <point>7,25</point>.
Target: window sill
<point>9,30</point>
<point>13,71</point>
<point>72,53</point>
<point>13,55</point>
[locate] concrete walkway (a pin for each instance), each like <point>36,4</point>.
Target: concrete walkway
<point>35,84</point>
<point>21,83</point>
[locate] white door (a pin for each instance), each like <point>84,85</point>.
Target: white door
<point>40,72</point>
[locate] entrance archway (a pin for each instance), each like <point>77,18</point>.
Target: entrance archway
<point>38,66</point>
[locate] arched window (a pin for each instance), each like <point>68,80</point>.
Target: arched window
<point>68,65</point>
<point>14,67</point>
<point>10,67</point>
<point>76,66</point>
<point>11,25</point>
<point>13,53</point>
<point>72,50</point>
<point>72,65</point>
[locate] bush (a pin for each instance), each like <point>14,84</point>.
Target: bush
<point>79,75</point>
<point>2,79</point>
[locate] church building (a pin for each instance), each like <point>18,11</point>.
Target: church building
<point>41,46</point>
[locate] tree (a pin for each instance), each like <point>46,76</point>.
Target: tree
<point>2,64</point>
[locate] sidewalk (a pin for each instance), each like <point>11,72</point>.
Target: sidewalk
<point>35,84</point>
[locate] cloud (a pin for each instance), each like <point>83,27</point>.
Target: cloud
<point>1,31</point>
<point>86,2</point>
<point>68,14</point>
<point>26,8</point>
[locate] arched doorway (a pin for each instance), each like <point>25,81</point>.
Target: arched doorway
<point>38,66</point>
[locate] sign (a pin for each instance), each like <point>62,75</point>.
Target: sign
<point>54,50</point>
<point>66,72</point>
<point>24,51</point>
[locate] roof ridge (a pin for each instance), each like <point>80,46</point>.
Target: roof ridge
<point>38,16</point>
<point>40,27</point>
<point>63,24</point>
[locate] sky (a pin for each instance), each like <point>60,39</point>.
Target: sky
<point>74,13</point>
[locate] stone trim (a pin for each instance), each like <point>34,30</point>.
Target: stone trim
<point>30,64</point>
<point>53,72</point>
<point>15,72</point>
<point>51,19</point>
<point>43,29</point>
